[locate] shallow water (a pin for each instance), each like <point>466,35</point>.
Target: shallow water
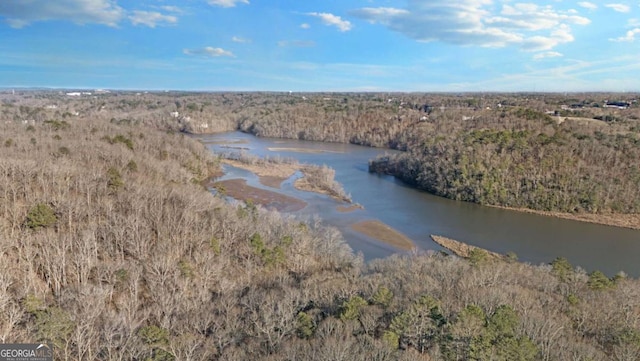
<point>534,238</point>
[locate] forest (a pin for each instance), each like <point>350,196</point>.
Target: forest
<point>576,153</point>
<point>525,159</point>
<point>111,248</point>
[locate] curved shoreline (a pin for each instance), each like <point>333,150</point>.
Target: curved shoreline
<point>630,221</point>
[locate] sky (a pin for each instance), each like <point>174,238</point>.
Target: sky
<point>322,45</point>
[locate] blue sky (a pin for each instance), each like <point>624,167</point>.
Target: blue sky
<point>322,45</point>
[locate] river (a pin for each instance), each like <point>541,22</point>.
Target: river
<point>533,238</point>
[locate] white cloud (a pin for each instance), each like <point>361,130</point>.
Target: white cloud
<point>333,20</point>
<point>478,22</point>
<point>588,5</point>
<point>151,18</point>
<point>19,13</point>
<point>297,43</point>
<point>632,23</point>
<point>209,52</point>
<point>548,54</point>
<point>227,3</point>
<point>238,39</point>
<point>172,9</point>
<point>305,26</point>
<point>621,8</point>
<point>630,36</point>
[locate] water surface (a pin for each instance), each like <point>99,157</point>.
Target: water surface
<point>534,238</point>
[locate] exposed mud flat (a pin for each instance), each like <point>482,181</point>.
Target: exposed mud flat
<point>238,189</point>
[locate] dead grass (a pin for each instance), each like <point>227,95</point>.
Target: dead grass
<point>383,233</point>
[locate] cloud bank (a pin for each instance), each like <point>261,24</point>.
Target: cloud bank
<point>479,22</point>
<point>21,13</point>
<point>151,18</point>
<point>333,20</point>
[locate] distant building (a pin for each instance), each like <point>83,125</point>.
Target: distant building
<point>616,104</point>
<point>74,94</point>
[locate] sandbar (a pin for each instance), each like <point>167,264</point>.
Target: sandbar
<point>383,233</point>
<point>238,189</point>
<point>461,249</point>
<point>271,176</point>
<point>301,150</point>
<point>349,208</point>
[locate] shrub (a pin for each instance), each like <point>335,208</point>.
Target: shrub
<point>305,325</point>
<point>64,151</point>
<point>351,309</point>
<point>115,179</point>
<point>383,297</point>
<point>57,124</point>
<point>42,215</point>
<point>598,281</point>
<point>132,166</point>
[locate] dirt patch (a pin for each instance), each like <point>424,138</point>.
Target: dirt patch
<point>238,189</point>
<point>631,221</point>
<point>384,233</point>
<point>350,208</point>
<point>461,249</point>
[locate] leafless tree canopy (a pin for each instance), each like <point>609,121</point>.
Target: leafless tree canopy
<point>111,249</point>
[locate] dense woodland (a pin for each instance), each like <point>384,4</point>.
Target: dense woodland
<point>539,151</point>
<point>524,158</point>
<point>111,249</point>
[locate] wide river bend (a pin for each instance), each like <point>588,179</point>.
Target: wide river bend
<point>535,239</point>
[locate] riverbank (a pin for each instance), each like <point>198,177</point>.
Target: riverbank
<point>631,221</point>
